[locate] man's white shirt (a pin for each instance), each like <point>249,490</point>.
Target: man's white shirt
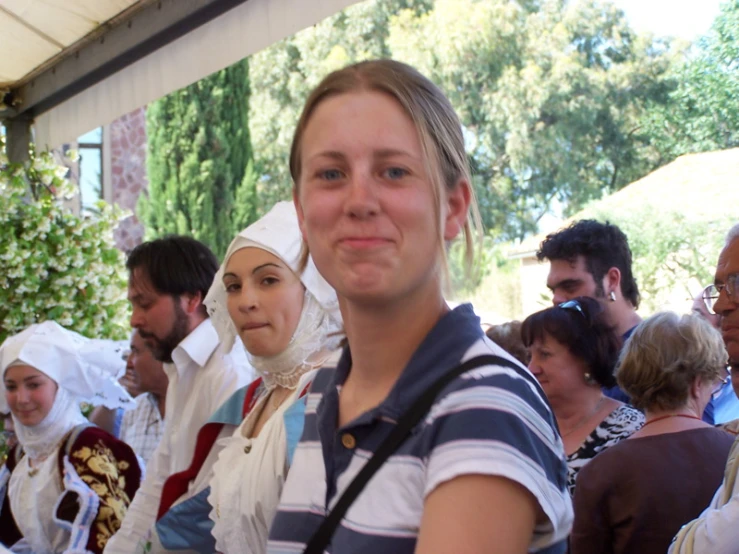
<point>201,378</point>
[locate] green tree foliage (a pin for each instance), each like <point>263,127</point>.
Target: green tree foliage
<point>702,111</point>
<point>493,287</point>
<point>550,94</point>
<point>199,160</point>
<point>672,251</point>
<point>283,75</point>
<point>465,277</point>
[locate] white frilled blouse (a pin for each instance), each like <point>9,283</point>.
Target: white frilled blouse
<point>33,499</point>
<point>248,479</point>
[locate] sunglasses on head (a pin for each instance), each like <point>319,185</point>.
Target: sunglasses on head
<point>573,305</point>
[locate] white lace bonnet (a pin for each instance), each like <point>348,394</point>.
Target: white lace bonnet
<point>86,368</point>
<point>277,232</point>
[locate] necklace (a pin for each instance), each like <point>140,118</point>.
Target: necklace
<point>275,404</point>
<point>33,471</point>
<point>670,415</point>
<point>583,420</point>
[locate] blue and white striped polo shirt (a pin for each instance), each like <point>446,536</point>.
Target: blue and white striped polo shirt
<point>489,421</point>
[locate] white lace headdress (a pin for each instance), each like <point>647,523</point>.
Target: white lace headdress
<point>85,370</point>
<point>320,321</point>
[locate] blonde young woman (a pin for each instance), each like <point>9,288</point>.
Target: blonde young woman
<point>66,487</point>
<point>288,321</point>
<point>381,185</point>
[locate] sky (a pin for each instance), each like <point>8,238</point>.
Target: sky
<point>685,19</point>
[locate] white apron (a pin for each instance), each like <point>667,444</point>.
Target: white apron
<point>247,481</point>
<point>32,502</point>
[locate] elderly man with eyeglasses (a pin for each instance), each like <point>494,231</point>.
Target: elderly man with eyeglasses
<point>724,404</point>
<point>717,530</point>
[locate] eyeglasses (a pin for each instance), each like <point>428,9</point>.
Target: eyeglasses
<point>712,292</point>
<point>572,305</point>
<point>724,378</point>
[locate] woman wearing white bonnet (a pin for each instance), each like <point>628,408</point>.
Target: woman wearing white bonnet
<point>289,322</point>
<point>65,489</point>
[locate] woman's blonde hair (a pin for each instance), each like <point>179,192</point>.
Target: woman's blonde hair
<point>665,355</point>
<point>439,131</point>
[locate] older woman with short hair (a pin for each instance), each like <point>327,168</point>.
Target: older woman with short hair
<point>635,496</point>
<point>573,353</point>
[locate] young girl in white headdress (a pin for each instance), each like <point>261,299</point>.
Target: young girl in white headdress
<point>289,323</point>
<point>67,485</point>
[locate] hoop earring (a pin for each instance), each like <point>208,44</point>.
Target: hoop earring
<point>612,296</point>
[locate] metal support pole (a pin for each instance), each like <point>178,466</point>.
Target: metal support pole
<point>18,139</point>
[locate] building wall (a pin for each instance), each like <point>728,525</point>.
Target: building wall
<point>123,172</point>
<point>127,150</point>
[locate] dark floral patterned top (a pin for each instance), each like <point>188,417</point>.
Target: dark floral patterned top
<point>618,425</point>
<point>97,462</point>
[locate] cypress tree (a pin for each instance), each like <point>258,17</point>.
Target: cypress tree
<point>199,161</point>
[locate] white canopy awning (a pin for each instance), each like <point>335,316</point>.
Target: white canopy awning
<point>35,32</point>
<point>243,30</point>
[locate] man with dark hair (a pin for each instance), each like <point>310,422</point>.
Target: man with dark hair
<point>168,280</point>
<point>590,258</point>
<point>170,275</point>
<point>593,259</point>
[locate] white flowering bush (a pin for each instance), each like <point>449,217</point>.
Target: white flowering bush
<point>55,265</point>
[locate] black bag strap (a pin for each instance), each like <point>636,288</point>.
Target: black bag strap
<point>402,430</point>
